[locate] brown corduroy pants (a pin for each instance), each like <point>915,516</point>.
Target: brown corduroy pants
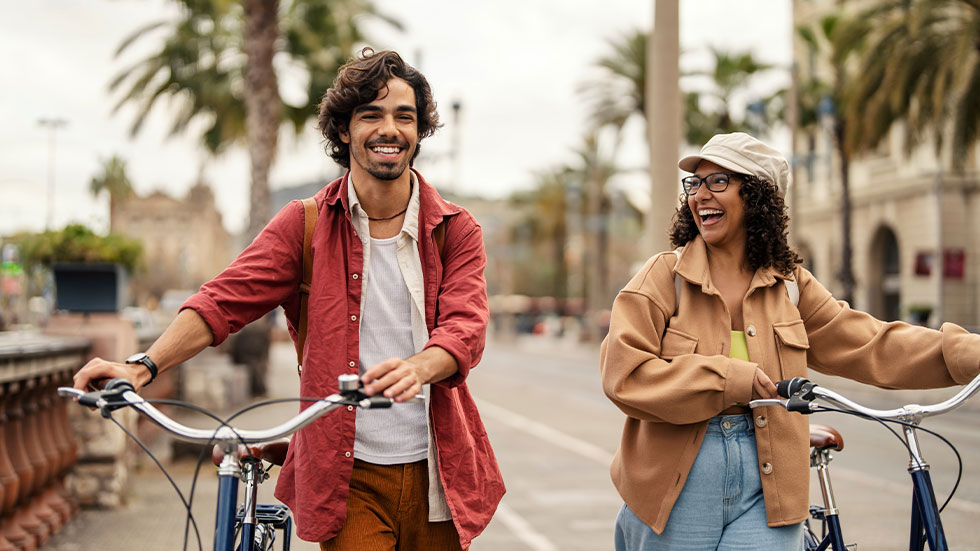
<point>388,510</point>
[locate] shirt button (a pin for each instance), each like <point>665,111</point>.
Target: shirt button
<point>353,318</point>
<point>355,276</point>
<point>726,425</point>
<point>760,421</point>
<point>750,330</point>
<point>347,454</point>
<point>767,468</point>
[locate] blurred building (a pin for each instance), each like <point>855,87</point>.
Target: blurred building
<point>184,240</point>
<point>915,224</point>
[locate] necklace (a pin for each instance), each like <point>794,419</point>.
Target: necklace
<point>396,215</point>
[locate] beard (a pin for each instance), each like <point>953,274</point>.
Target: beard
<point>383,170</point>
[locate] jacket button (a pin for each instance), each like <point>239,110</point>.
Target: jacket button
<point>766,468</point>
<point>351,363</point>
<point>760,421</point>
<point>347,454</point>
<point>750,330</point>
<point>353,318</point>
<point>350,408</point>
<point>355,276</point>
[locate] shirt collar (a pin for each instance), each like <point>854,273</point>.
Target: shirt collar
<point>411,224</point>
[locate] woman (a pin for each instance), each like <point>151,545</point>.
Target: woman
<point>698,334</point>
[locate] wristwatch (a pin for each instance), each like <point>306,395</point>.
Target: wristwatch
<point>142,358</point>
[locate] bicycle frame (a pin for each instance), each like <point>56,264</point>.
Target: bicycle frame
<point>254,518</point>
<point>925,524</point>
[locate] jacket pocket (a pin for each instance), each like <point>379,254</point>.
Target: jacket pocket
<point>791,345</point>
<point>677,343</point>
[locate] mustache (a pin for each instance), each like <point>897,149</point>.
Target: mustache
<point>397,143</point>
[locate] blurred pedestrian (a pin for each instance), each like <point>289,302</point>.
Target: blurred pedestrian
<point>701,331</point>
<point>398,296</point>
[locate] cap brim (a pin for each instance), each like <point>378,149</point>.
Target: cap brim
<point>690,164</point>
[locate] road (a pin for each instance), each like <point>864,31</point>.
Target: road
<point>555,433</point>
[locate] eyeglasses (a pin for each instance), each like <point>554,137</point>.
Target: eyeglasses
<point>716,182</point>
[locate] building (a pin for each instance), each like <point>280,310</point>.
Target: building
<point>915,224</point>
<point>184,240</point>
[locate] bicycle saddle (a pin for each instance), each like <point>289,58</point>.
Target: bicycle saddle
<point>274,452</point>
<point>823,437</point>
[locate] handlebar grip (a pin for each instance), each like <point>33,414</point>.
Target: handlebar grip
<point>119,384</point>
<point>376,402</point>
<point>90,399</point>
<point>788,387</point>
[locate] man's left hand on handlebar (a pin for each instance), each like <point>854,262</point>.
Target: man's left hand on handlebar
<point>393,378</point>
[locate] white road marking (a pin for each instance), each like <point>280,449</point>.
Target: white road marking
<point>546,433</point>
<point>962,505</point>
<point>523,530</point>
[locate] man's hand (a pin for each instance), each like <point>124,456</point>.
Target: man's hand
<point>97,371</point>
<point>395,378</point>
<point>762,386</point>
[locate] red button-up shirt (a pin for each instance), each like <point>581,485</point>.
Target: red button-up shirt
<point>315,478</point>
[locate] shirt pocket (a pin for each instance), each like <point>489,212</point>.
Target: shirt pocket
<point>677,343</point>
<point>791,345</point>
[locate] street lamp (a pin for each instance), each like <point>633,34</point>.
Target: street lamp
<point>53,125</point>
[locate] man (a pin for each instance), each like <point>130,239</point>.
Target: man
<point>390,299</point>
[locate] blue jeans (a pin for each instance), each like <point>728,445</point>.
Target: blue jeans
<point>721,506</point>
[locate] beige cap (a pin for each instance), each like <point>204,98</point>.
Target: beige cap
<point>743,154</point>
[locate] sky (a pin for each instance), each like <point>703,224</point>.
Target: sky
<point>514,66</point>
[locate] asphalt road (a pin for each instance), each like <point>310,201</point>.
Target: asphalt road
<point>554,434</point>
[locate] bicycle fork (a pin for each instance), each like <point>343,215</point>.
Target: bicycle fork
<point>820,458</point>
<point>926,525</point>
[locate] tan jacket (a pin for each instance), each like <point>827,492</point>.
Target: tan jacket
<point>670,384</point>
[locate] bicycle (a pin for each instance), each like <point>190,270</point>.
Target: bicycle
<point>239,454</point>
<point>925,526</point>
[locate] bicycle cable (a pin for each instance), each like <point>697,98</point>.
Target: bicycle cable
<point>959,459</point>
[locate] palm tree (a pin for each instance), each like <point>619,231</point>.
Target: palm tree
<point>921,66</point>
<point>618,95</point>
<point>838,38</point>
<point>114,181</point>
<point>219,61</point>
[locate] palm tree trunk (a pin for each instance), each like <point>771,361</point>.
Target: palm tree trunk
<point>846,274</point>
<point>262,104</point>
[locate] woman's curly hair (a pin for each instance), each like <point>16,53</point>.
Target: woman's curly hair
<point>765,223</point>
<point>358,83</point>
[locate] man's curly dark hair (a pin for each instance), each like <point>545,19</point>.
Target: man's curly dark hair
<point>765,222</point>
<point>358,83</point>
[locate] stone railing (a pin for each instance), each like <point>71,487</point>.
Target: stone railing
<point>37,446</point>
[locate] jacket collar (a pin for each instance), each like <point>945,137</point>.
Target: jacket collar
<point>432,207</point>
<point>693,266</point>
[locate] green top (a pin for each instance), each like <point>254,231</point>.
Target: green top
<point>740,348</point>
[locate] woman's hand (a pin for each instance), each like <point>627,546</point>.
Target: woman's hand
<point>762,386</point>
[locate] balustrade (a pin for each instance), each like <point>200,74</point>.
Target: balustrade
<point>37,446</point>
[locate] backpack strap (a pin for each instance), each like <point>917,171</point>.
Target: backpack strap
<point>310,214</point>
<point>440,234</point>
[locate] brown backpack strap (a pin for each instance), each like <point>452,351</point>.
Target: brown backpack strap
<point>310,215</point>
<point>440,234</point>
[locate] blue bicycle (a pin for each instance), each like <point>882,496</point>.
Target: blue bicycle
<point>926,526</point>
<point>241,456</point>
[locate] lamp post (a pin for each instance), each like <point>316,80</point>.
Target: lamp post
<point>457,108</point>
<point>53,125</point>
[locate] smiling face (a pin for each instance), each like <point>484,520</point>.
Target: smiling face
<point>720,216</point>
<point>383,134</point>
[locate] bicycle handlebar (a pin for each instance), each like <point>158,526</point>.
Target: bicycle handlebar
<point>802,395</point>
<point>119,393</point>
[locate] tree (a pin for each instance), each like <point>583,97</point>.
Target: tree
<point>921,66</point>
<point>220,61</point>
<point>618,94</point>
<point>114,181</point>
<point>838,38</point>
